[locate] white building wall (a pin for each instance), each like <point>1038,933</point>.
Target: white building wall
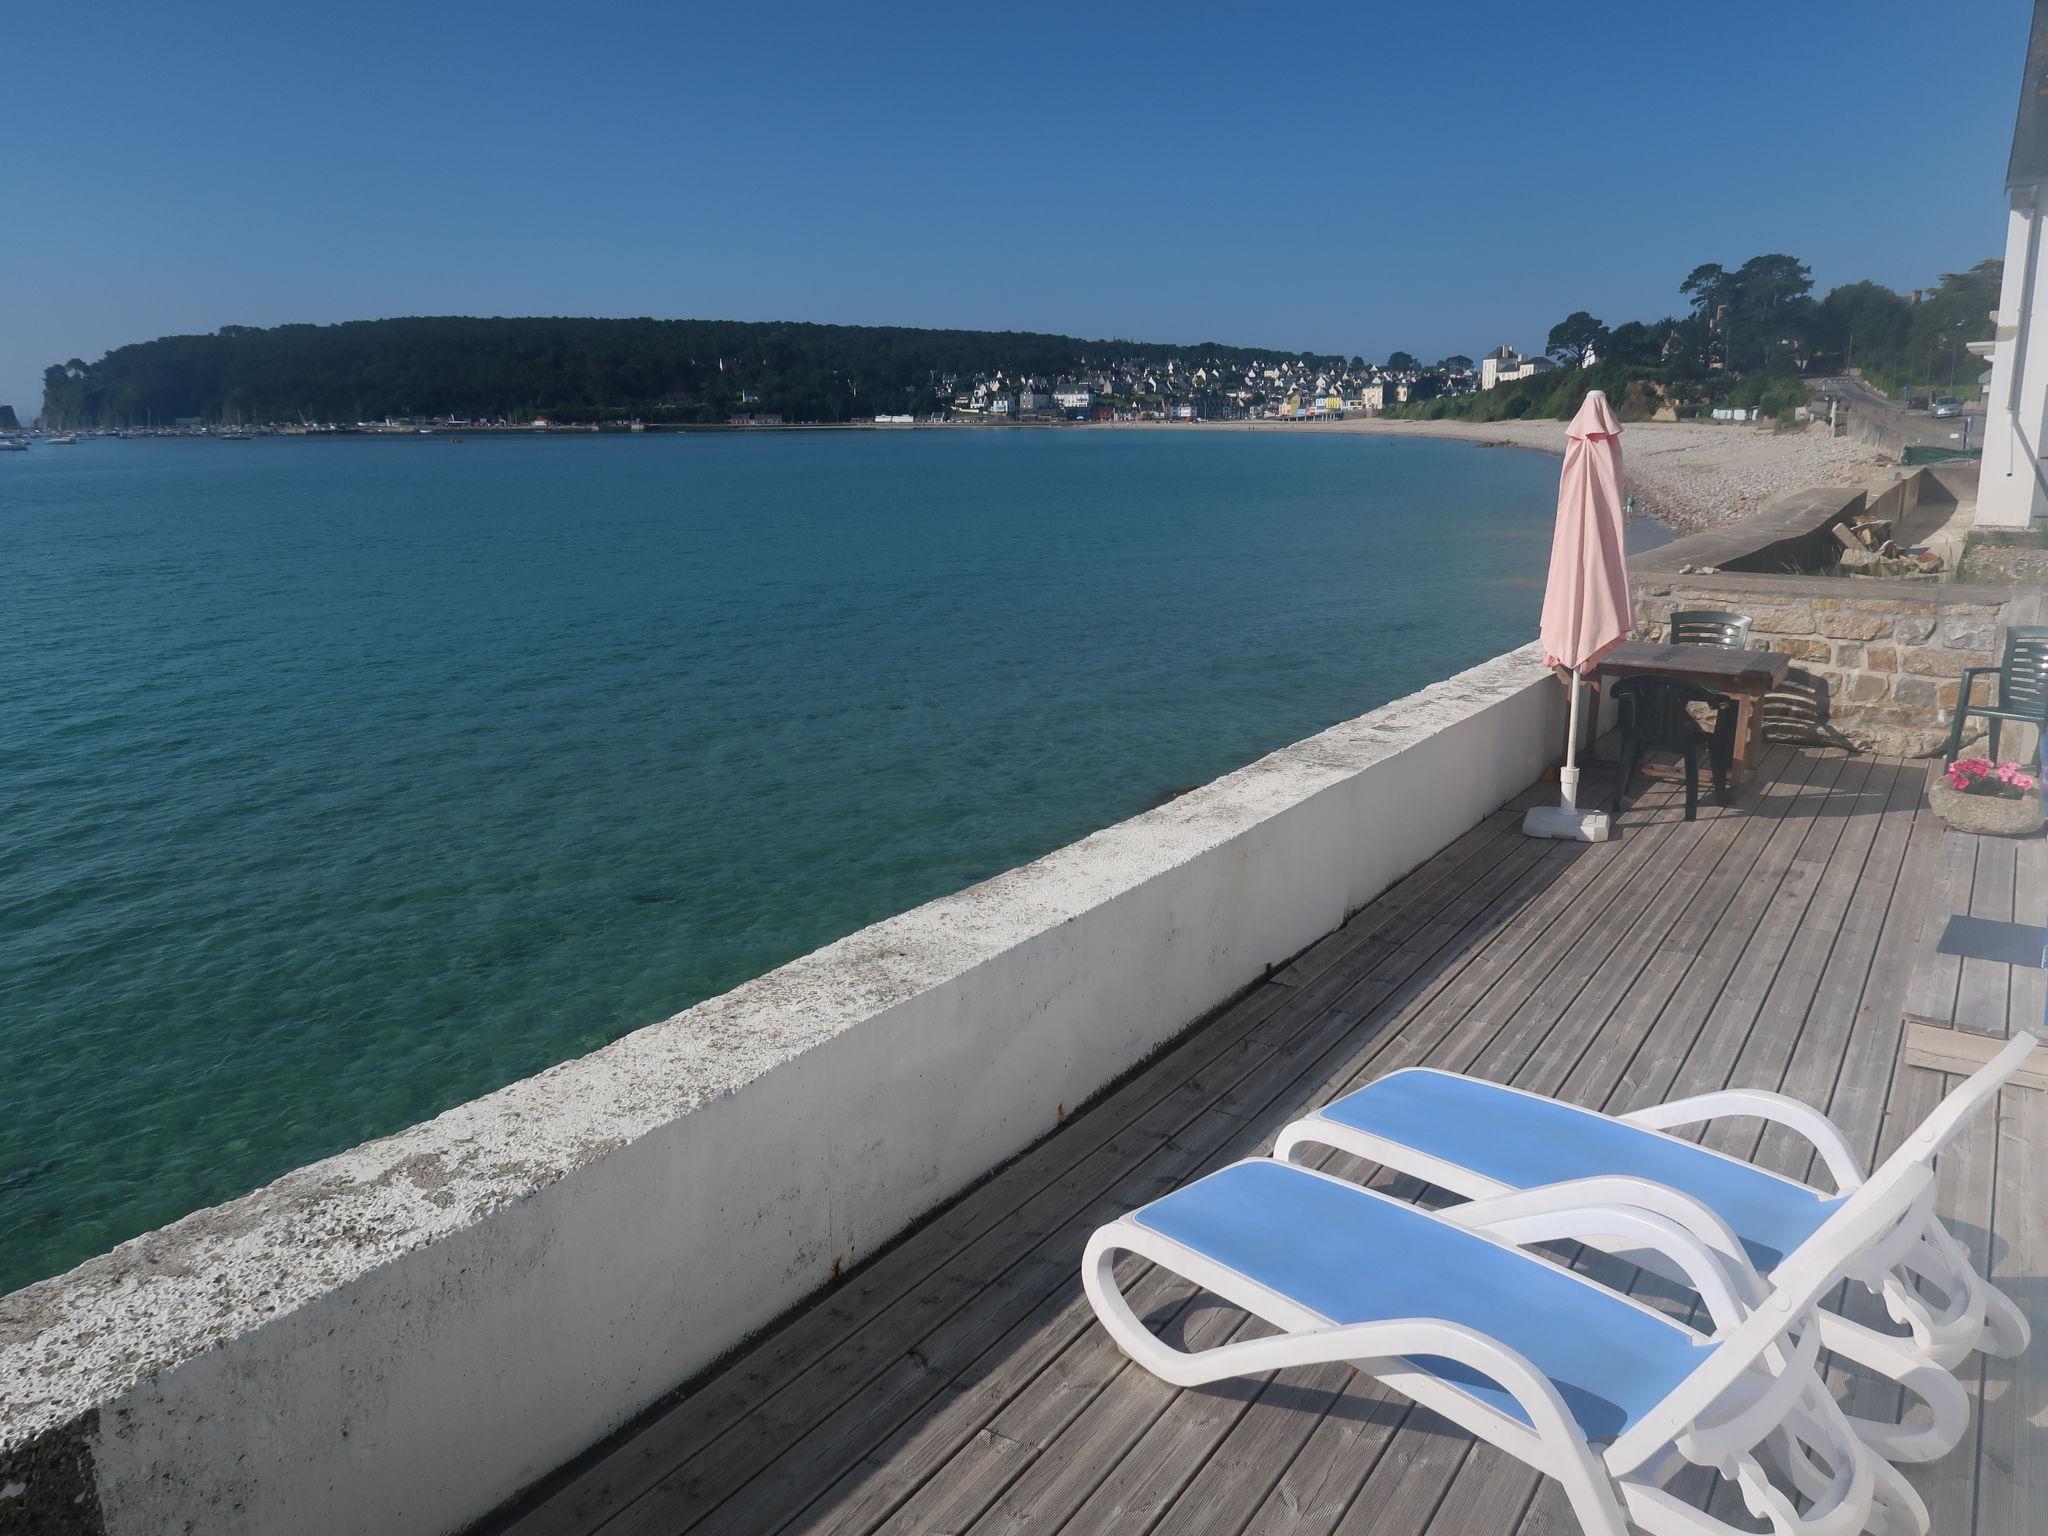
<point>2009,485</point>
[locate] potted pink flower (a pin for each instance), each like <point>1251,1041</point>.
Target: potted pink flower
<point>1976,794</point>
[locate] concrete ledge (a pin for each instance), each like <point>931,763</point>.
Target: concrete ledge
<point>1792,534</point>
<point>1787,534</point>
<point>401,1337</point>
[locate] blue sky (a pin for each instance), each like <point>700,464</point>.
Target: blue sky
<point>1360,177</point>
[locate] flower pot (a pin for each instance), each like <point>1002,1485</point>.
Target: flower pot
<point>1989,814</point>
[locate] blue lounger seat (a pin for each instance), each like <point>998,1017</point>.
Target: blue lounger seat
<point>1610,1397</point>
<point>1480,1139</point>
<point>1518,1139</point>
<point>1314,1240</point>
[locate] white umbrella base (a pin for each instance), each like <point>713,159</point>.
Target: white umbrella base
<point>1567,823</point>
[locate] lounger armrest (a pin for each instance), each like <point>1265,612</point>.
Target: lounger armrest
<point>1635,1212</point>
<point>1844,1166</point>
<point>1970,676</point>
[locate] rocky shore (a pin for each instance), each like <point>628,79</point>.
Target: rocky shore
<point>1691,475</point>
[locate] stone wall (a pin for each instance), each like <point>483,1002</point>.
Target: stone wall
<point>1877,665</point>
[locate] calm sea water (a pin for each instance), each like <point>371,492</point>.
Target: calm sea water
<point>344,780</point>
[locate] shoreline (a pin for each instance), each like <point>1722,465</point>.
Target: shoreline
<point>1686,475</point>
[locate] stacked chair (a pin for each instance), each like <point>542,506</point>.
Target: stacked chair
<point>1612,1397</point>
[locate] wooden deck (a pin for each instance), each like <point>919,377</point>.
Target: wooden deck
<point>957,1383</point>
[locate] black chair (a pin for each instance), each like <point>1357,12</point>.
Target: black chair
<point>1656,716</point>
<point>2022,688</point>
<point>1706,626</point>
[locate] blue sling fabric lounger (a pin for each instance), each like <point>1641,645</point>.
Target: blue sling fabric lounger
<point>1312,1240</point>
<point>1477,1139</point>
<point>1605,1394</point>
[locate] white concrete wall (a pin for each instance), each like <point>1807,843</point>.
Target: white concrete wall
<point>400,1338</point>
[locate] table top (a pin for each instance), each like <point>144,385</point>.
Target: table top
<point>1719,663</point>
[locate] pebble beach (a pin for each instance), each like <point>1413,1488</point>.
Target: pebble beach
<point>1691,475</point>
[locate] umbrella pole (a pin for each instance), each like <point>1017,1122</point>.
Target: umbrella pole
<point>1568,780</point>
<point>1565,820</point>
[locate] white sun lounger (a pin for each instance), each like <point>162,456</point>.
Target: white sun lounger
<point>1589,1386</point>
<point>1478,1139</point>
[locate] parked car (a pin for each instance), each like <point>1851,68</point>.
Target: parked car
<point>1947,405</point>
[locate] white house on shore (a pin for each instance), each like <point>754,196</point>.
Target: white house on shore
<point>1503,365</point>
<point>2012,487</point>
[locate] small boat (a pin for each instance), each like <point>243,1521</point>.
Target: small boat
<point>65,441</point>
<point>13,445</point>
<point>236,436</point>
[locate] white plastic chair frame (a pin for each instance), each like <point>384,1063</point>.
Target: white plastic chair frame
<point>1899,1265</point>
<point>1756,1399</point>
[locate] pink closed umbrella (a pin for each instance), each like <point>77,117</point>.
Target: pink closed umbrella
<point>1586,607</point>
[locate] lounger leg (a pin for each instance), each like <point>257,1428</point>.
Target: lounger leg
<point>1971,1313</point>
<point>1947,1403</point>
<point>2006,1330</point>
<point>1994,723</point>
<point>1899,1510</point>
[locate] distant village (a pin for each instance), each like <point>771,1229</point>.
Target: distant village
<point>1216,391</point>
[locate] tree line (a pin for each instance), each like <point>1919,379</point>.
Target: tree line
<point>1749,336</point>
<point>572,369</point>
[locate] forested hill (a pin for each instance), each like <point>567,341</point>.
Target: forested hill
<point>659,370</point>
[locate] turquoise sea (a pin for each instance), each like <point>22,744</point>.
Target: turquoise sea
<point>342,780</point>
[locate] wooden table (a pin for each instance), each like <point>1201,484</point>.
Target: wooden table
<point>1745,676</point>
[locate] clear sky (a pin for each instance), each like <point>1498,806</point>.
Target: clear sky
<point>1357,177</point>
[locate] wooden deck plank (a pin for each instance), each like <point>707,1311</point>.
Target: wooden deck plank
<point>2029,1001</point>
<point>1983,988</point>
<point>1731,1021</point>
<point>1488,1003</point>
<point>1870,1034</point>
<point>1963,1180</point>
<point>1818,984</point>
<point>1936,976</point>
<point>2012,1467</point>
<point>1654,1072</point>
<point>1730,898</point>
<point>1768,1011</point>
<point>1818,966</point>
<point>959,1382</point>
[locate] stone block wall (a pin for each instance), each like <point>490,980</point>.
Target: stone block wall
<point>1877,665</point>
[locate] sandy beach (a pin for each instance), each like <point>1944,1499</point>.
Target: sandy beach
<point>1691,475</point>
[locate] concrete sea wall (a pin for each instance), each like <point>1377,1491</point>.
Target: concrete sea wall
<point>401,1337</point>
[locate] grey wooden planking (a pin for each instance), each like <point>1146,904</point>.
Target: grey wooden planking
<point>957,1382</point>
